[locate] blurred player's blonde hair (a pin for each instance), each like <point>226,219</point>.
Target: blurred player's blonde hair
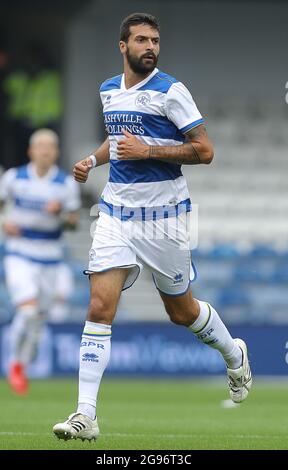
<point>48,133</point>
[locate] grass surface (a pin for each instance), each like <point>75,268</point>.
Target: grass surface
<point>149,415</point>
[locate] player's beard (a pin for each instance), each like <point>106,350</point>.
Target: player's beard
<point>138,65</point>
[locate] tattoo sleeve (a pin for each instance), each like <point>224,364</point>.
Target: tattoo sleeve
<point>197,150</point>
<point>181,154</point>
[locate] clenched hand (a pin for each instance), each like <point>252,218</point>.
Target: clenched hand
<point>131,148</point>
<point>81,170</point>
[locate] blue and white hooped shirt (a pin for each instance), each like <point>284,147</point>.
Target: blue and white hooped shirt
<point>159,111</point>
<point>28,193</point>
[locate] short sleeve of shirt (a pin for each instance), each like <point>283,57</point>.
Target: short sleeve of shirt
<point>181,108</point>
<point>72,200</point>
<point>6,184</point>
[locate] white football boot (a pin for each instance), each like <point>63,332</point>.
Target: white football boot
<point>240,380</point>
<point>77,426</point>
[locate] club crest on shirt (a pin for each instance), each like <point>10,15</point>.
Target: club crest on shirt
<point>142,100</point>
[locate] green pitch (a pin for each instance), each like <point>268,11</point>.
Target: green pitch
<point>149,415</point>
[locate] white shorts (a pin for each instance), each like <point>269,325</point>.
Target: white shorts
<point>28,280</point>
<point>161,245</point>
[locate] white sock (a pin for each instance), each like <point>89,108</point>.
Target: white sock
<point>32,340</point>
<point>25,333</point>
<point>94,357</point>
<point>210,329</point>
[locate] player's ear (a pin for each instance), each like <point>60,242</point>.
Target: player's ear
<point>122,47</point>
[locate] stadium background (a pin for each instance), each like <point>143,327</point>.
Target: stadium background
<point>233,57</point>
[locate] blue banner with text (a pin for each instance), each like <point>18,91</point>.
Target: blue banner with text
<point>154,349</point>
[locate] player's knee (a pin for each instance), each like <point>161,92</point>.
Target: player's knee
<point>100,309</point>
<point>29,312</point>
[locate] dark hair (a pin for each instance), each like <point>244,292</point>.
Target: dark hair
<point>135,19</point>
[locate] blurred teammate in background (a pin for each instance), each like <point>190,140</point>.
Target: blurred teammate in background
<point>44,200</point>
<point>153,128</point>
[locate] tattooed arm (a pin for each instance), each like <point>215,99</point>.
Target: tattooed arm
<point>198,149</point>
